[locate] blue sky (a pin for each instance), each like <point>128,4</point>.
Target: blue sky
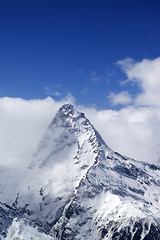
<point>52,48</point>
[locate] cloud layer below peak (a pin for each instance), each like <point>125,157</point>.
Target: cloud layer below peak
<point>131,131</point>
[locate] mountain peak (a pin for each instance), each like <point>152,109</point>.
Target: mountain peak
<point>82,189</point>
<point>66,106</point>
<point>67,116</point>
<point>66,109</point>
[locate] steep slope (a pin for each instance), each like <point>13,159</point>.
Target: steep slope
<point>66,152</point>
<point>118,199</point>
<point>76,187</point>
<point>14,226</point>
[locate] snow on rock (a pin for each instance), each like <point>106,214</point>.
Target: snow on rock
<point>76,187</point>
<point>118,199</point>
<point>21,230</point>
<point>13,226</point>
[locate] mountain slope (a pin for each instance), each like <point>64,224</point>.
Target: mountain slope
<point>68,149</point>
<point>116,200</point>
<point>76,187</point>
<point>14,226</point>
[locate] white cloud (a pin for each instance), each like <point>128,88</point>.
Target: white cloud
<point>53,90</point>
<point>18,120</point>
<point>122,98</point>
<point>22,124</point>
<point>56,93</point>
<point>147,75</point>
<point>94,77</point>
<point>131,131</point>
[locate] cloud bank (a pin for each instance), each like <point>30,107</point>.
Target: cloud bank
<point>22,125</point>
<point>131,131</point>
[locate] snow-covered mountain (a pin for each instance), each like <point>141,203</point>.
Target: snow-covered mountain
<point>76,187</point>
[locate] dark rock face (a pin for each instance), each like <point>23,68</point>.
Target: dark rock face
<point>136,231</point>
<point>7,214</point>
<point>154,233</point>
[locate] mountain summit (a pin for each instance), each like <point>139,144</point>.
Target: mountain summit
<point>76,187</point>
